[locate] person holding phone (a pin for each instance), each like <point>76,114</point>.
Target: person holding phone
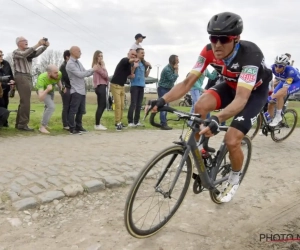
<point>100,80</point>
<point>166,82</point>
<point>22,58</point>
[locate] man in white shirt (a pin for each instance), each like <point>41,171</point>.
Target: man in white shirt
<point>138,39</point>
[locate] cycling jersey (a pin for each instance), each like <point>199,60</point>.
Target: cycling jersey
<point>289,76</point>
<point>246,69</point>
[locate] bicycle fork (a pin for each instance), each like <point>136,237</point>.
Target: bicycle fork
<point>179,170</point>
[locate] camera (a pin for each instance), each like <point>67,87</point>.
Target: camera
<point>45,39</point>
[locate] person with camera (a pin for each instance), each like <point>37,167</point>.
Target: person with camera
<point>7,83</point>
<point>166,82</point>
<point>22,58</point>
<point>45,88</point>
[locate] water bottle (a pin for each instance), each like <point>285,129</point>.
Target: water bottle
<point>267,115</point>
<point>206,157</point>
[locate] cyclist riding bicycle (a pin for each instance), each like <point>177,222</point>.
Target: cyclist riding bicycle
<point>242,95</point>
<point>289,84</point>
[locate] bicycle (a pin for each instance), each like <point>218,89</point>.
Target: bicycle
<point>208,164</point>
<point>186,101</point>
<point>266,128</point>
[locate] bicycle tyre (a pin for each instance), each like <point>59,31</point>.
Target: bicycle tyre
<point>129,224</point>
<point>258,126</point>
<point>181,104</point>
<point>294,112</point>
<point>247,141</point>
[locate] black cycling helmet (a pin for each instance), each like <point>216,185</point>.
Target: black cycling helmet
<point>226,23</point>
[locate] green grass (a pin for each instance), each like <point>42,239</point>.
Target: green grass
<point>89,118</point>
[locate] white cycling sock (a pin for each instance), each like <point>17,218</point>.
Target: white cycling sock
<point>278,112</point>
<point>234,177</point>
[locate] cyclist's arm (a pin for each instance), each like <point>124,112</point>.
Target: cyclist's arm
<point>246,82</point>
<point>180,89</point>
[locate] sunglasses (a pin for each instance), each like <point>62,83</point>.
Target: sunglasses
<point>279,66</point>
<point>222,39</point>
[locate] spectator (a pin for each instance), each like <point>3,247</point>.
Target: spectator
<point>45,87</point>
<point>65,93</point>
<point>100,79</point>
<point>138,39</point>
<point>5,70</point>
<point>168,77</point>
<point>138,84</point>
<point>4,114</point>
<point>22,58</point>
<point>122,72</point>
<point>77,73</point>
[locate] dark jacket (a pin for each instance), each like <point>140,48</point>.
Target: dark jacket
<point>5,70</point>
<point>65,78</point>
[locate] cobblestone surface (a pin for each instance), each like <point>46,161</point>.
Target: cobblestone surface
<point>41,168</point>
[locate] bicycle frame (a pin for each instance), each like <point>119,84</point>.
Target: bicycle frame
<point>265,122</point>
<point>191,146</point>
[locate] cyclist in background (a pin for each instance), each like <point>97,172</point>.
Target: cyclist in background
<point>289,84</point>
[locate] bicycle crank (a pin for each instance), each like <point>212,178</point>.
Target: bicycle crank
<point>197,186</point>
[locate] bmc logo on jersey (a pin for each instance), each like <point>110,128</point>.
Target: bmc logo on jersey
<point>249,74</point>
<point>200,62</point>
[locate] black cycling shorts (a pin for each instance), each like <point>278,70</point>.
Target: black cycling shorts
<point>244,120</point>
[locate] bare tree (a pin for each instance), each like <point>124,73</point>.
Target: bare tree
<point>50,57</point>
<point>10,60</point>
<point>89,84</point>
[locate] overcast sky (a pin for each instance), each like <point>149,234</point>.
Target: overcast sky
<point>171,26</point>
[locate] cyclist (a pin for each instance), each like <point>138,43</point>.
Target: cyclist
<point>289,84</point>
<point>242,95</point>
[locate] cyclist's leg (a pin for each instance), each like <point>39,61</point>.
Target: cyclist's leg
<point>271,106</point>
<point>240,126</point>
<point>281,94</point>
<point>217,97</point>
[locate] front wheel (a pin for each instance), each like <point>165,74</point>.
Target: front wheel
<point>286,126</point>
<point>182,104</point>
<point>149,205</point>
<point>224,166</point>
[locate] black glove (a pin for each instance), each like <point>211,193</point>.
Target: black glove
<point>160,102</point>
<point>213,124</point>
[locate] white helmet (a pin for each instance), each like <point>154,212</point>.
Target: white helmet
<point>282,59</point>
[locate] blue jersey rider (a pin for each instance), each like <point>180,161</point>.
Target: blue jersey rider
<point>289,84</point>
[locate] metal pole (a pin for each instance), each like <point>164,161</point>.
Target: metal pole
<point>157,74</point>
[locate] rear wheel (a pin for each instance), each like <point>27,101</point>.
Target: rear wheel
<point>286,126</point>
<point>224,167</point>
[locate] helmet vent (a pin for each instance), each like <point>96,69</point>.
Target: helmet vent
<point>227,17</point>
